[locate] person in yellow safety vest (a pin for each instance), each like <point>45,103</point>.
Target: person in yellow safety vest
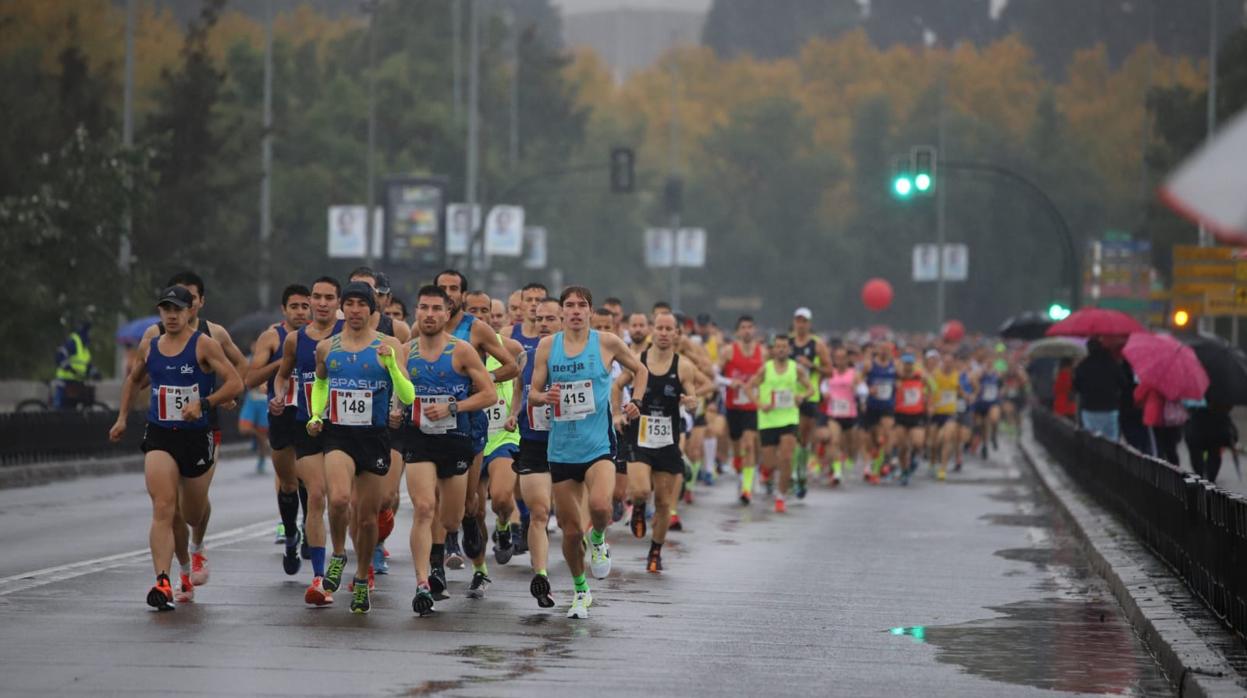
<point>73,368</point>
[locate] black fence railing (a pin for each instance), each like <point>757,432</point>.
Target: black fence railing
<point>1197,529</point>
<point>40,437</point>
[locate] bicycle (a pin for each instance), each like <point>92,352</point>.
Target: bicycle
<point>78,396</point>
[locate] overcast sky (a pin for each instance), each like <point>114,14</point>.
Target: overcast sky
<point>574,6</point>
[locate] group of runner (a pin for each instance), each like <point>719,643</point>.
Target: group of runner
<point>541,409</point>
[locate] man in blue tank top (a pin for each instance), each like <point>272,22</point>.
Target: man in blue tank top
<point>296,306</point>
<point>179,449</point>
<point>357,371</point>
<point>450,384</point>
<point>298,372</point>
<point>572,375</point>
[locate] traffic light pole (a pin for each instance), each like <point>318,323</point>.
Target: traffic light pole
<point>1072,264</point>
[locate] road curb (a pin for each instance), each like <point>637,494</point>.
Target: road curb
<point>1195,668</point>
<point>14,476</point>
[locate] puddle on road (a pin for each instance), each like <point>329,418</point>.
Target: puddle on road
<point>1032,520</point>
<point>1054,644</point>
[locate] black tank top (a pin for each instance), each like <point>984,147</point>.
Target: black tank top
<point>808,350</point>
<point>386,325</point>
<point>662,392</point>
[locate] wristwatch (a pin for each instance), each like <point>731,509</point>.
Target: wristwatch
<point>204,406</point>
<point>454,408</point>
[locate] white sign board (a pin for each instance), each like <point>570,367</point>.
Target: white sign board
<point>535,248</point>
<point>926,262</point>
<point>504,231</point>
<point>347,236</point>
<point>461,221</point>
<point>690,250</point>
<point>956,262</point>
<point>658,244</point>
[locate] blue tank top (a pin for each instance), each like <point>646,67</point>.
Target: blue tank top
<point>881,381</point>
<point>989,389</point>
<point>526,385</point>
<point>276,357</point>
<point>592,437</point>
<point>967,388</point>
<point>305,366</point>
<point>176,381</point>
<point>361,373</point>
<point>439,377</point>
<point>464,329</point>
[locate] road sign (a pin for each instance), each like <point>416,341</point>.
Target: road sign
<point>926,262</point>
<point>504,231</point>
<point>956,262</point>
<point>658,247</point>
<point>690,247</point>
<point>1210,281</point>
<point>461,221</point>
<point>347,232</point>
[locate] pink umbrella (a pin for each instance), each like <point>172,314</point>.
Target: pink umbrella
<point>1089,322</point>
<point>1166,365</point>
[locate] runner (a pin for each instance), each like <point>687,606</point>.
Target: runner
<point>739,362</point>
<point>810,353</point>
<point>397,309</point>
<point>451,383</point>
<point>966,390</point>
<point>911,414</point>
<point>658,463</point>
<point>603,321</point>
<point>298,373</point>
<point>516,309</point>
<point>357,372</point>
<point>572,374</point>
<point>879,418</point>
<point>532,465</point>
<point>638,331</point>
<point>777,390</point>
<point>498,315</point>
<point>987,403</point>
<point>296,306</point>
<point>178,445</point>
<point>839,389</point>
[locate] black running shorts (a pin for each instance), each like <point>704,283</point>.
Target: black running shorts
<point>741,421</point>
<point>283,429</point>
<point>770,437</point>
<point>194,450</point>
<point>451,455</point>
<point>368,447</point>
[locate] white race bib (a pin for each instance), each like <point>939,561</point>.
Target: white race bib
<point>990,391</point>
<point>911,396</point>
<point>497,414</point>
<point>741,397</point>
<point>883,391</point>
<point>575,401</point>
<point>948,397</point>
<point>350,408</point>
<point>539,417</point>
<point>171,399</point>
<point>655,431</point>
<point>841,408</point>
<point>783,399</point>
<point>432,426</point>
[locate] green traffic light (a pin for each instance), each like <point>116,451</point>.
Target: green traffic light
<point>1056,311</point>
<point>922,181</point>
<point>902,186</point>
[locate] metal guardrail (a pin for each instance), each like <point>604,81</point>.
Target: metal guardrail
<point>1196,528</point>
<point>40,437</point>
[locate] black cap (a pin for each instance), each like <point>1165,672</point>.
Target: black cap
<point>175,295</point>
<point>703,319</point>
<point>383,283</point>
<point>359,289</point>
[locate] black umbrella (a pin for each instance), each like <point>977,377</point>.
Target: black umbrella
<point>247,328</point>
<point>1226,366</point>
<point>1028,326</point>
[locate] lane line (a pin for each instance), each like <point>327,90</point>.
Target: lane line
<point>48,575</point>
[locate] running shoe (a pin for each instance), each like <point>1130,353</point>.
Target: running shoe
<point>540,589</point>
<point>617,511</point>
<point>437,582</point>
<point>941,474</point>
<point>380,565</point>
<point>186,590</point>
<point>160,596</point>
<point>281,535</point>
<point>638,521</point>
<point>422,602</point>
<point>600,559</point>
<point>291,562</point>
<point>199,569</point>
<point>799,490</point>
<point>872,478</point>
<point>473,539</point>
<point>983,451</point>
<point>780,507</point>
<point>957,467</point>
<point>333,575</point>
<point>688,496</point>
<point>675,524</point>
<point>835,481</point>
<point>744,499</point>
<point>316,594</point>
<point>653,564</point>
<point>480,582</point>
<point>454,554</point>
<point>504,546</point>
<point>360,603</point>
<point>904,477</point>
<point>372,581</point>
<point>580,605</point>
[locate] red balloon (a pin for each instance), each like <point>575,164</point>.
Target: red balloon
<point>953,331</point>
<point>877,294</point>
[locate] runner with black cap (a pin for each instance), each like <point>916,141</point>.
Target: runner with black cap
<point>810,353</point>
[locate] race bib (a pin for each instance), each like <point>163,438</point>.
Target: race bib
<point>741,396</point>
<point>292,392</point>
<point>961,405</point>
<point>883,391</point>
<point>655,431</point>
<point>539,417</point>
<point>948,397</point>
<point>782,399</point>
<point>350,408</point>
<point>497,414</point>
<point>575,401</point>
<point>990,392</point>
<point>171,399</point>
<point>841,408</point>
<point>911,396</point>
<point>432,426</point>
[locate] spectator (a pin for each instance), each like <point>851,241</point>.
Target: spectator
<point>1209,430</point>
<point>1130,417</point>
<point>73,369</point>
<point>1164,419</point>
<point>1062,390</point>
<point>1099,384</point>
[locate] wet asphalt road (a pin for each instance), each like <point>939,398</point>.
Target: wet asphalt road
<point>967,588</point>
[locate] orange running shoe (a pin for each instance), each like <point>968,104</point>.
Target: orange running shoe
<point>199,569</point>
<point>186,590</point>
<point>780,508</point>
<point>316,594</point>
<point>160,596</point>
<point>638,520</point>
<point>675,524</point>
<point>653,564</point>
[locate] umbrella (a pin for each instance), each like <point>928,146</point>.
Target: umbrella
<point>1028,325</point>
<point>131,333</point>
<point>1057,348</point>
<point>1166,365</point>
<point>1095,321</point>
<point>1226,366</point>
<point>1208,186</point>
<point>247,328</point>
